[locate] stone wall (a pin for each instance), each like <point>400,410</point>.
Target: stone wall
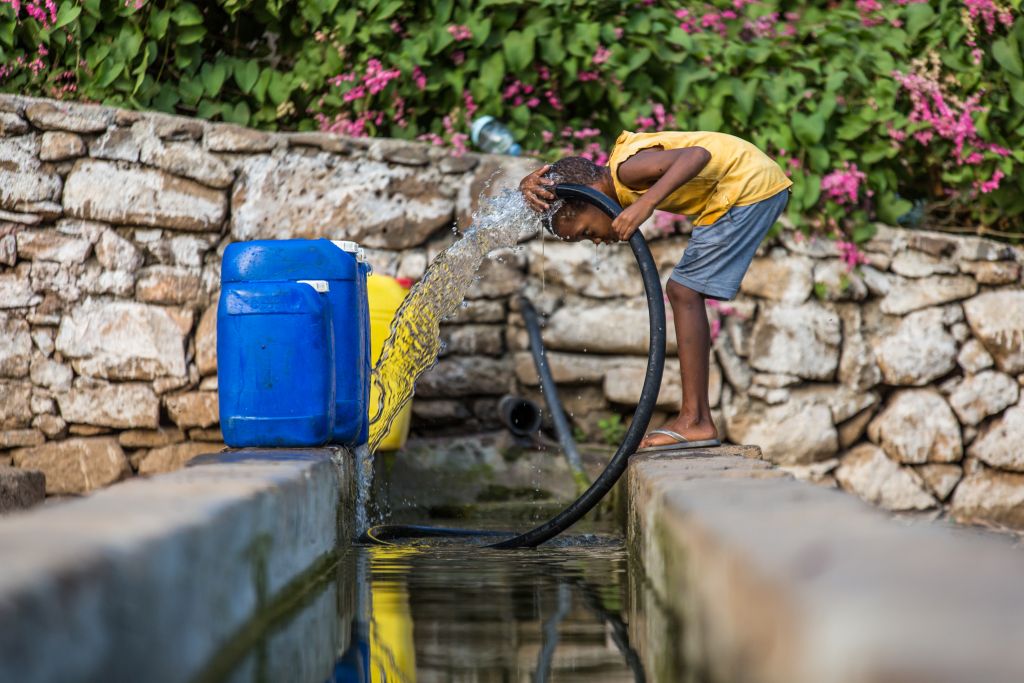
<point>899,381</point>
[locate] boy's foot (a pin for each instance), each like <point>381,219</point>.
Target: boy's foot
<point>701,431</point>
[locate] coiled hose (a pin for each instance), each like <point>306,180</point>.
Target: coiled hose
<point>634,434</point>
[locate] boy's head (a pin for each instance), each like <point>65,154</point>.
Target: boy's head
<point>576,219</point>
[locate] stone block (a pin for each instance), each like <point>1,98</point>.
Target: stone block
<point>51,426</point>
<point>796,340</point>
<point>122,340</point>
<point>58,146</point>
<point>997,319</point>
<point>193,409</point>
<point>226,137</point>
<point>76,466</point>
<point>11,125</point>
<point>301,195</point>
<point>1000,443</point>
<point>941,479</point>
<point>46,372</point>
<point>206,341</point>
<point>50,245</point>
<point>480,311</point>
<point>917,352</point>
<point>981,395</point>
<point>186,159</point>
<point>22,178</point>
<point>167,285</point>
<point>582,267</point>
<point>835,281</point>
<point>867,471</point>
<point>129,405</point>
<point>624,380</point>
<point>150,438</point>
<point>792,433</point>
<point>566,368</point>
<point>483,340</point>
<point>858,368</point>
<point>909,295</point>
<point>917,426</point>
<point>973,357</point>
<point>916,264</point>
<point>15,408</point>
<point>146,196</point>
<point>20,489</point>
<point>116,144</point>
<point>13,438</point>
<point>15,347</point>
<point>992,272</point>
<point>116,253</point>
<point>466,376</point>
<point>779,278</point>
<point>76,118</point>
<point>500,275</point>
<point>587,329</point>
<point>174,457</point>
<point>989,497</point>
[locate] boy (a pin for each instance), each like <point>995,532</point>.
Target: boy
<point>732,191</point>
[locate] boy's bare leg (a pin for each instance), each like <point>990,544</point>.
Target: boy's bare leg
<point>693,335</point>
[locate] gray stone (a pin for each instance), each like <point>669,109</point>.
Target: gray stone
<point>188,250</point>
<point>1001,442</point>
<point>56,278</point>
<point>566,368</point>
<point>128,405</point>
<point>796,340</point>
<point>624,380</point>
<point>58,146</point>
<point>792,433</point>
<point>42,337</point>
<point>50,245</point>
<point>12,438</point>
<point>145,196</point>
<point>174,457</point>
<point>981,395</point>
<point>49,373</point>
<point>97,280</point>
<point>77,118</point>
<point>997,320</point>
<point>583,267</point>
<point>958,247</point>
<point>913,263</point>
<point>500,275</point>
<point>480,311</point>
<point>857,366</point>
<point>193,409</point>
<point>834,281</point>
<point>973,357</point>
<point>15,408</point>
<point>466,375</point>
<point>484,340</point>
<point>867,471</point>
<point>941,479</point>
<point>734,369</point>
<point>20,489</point>
<point>116,253</point>
<point>779,278</point>
<point>990,497</point>
<point>909,295</point>
<point>842,401</point>
<point>52,426</point>
<point>206,341</point>
<point>122,340</point>
<point>918,351</point>
<point>167,285</point>
<point>992,272</point>
<point>8,250</point>
<point>441,411</point>
<point>76,465</point>
<point>587,329</point>
<point>186,159</point>
<point>917,426</point>
<point>774,381</point>
<point>22,178</point>
<point>225,137</point>
<point>116,144</point>
<point>150,438</point>
<point>851,430</point>
<point>12,124</point>
<point>15,347</point>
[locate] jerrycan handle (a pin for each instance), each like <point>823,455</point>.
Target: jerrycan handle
<point>320,286</point>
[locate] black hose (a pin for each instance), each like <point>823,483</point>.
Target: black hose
<point>550,390</point>
<point>521,416</point>
<point>641,417</point>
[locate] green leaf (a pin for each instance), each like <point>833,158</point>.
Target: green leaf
<point>1007,53</point>
<point>710,119</point>
<point>191,35</point>
<point>246,74</point>
<point>744,93</point>
<point>863,232</point>
<point>187,14</point>
<point>158,22</point>
<point>808,129</point>
<point>819,159</point>
<point>890,208</point>
<point>212,76</point>
<point>492,73</point>
<point>280,87</point>
<point>67,13</point>
<point>919,15</point>
<point>518,47</point>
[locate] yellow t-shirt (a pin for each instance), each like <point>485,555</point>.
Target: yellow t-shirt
<point>738,173</point>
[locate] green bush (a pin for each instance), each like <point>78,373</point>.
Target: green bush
<point>870,106</point>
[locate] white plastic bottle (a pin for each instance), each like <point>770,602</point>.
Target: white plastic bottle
<point>491,135</point>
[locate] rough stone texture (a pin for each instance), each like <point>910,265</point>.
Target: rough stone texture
<point>992,273</point>
<point>16,288</point>
<point>913,263</point>
<point>779,278</point>
<point>77,118</point>
<point>59,146</point>
<point>997,320</point>
<point>51,374</point>
<point>122,406</point>
<point>15,408</point>
<point>857,366</point>
<point>973,357</point>
<point>186,160</point>
<point>206,341</point>
<point>981,395</point>
<point>20,489</point>
<point>230,138</point>
<point>116,253</point>
<point>1001,442</point>
<point>122,340</point>
<point>194,409</point>
<point>796,340</point>
<point>320,195</point>
<point>466,375</point>
<point>941,479</point>
<point>173,457</point>
<point>566,368</point>
<point>792,433</point>
<point>622,384</point>
<point>914,294</point>
<point>150,438</point>
<point>587,329</point>
<point>990,497</point>
<point>867,471</point>
<point>918,351</point>
<point>486,340</point>
<point>15,347</point>
<point>22,177</point>
<point>76,465</point>
<point>834,281</point>
<point>917,426</point>
<point>167,285</point>
<point>12,124</point>
<point>144,196</point>
<point>49,245</point>
<point>599,272</point>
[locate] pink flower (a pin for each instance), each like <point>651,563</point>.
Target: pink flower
<point>356,93</point>
<point>843,185</point>
<point>601,55</point>
<point>458,57</point>
<point>419,78</point>
<point>618,32</point>
<point>547,135</point>
<point>991,184</point>
<point>460,32</point>
<point>469,103</point>
<point>585,76</point>
<point>850,255</point>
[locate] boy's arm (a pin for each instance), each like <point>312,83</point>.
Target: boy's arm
<point>661,172</point>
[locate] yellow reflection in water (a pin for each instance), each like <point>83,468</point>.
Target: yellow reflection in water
<point>392,650</point>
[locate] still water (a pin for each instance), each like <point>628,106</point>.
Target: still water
<point>451,613</point>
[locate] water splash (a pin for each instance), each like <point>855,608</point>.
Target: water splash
<point>364,482</point>
<point>414,342</point>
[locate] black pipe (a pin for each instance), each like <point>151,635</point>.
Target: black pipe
<point>521,416</point>
<point>641,417</point>
<point>550,390</point>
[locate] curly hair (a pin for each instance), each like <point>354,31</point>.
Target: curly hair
<point>577,170</point>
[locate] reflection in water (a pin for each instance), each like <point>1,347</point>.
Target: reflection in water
<point>449,613</point>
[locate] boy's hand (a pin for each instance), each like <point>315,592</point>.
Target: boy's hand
<point>631,218</point>
<point>534,189</point>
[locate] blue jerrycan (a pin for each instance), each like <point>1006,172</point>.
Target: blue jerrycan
<point>293,367</point>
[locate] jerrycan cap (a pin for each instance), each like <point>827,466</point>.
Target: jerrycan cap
<point>345,245</point>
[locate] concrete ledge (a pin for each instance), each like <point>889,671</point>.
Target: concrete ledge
<point>148,579</point>
<point>767,579</point>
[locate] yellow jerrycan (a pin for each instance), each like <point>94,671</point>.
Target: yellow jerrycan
<point>385,294</point>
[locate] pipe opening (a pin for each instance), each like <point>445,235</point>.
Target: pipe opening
<point>521,416</point>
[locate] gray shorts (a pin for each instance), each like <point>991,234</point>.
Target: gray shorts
<point>718,255</point>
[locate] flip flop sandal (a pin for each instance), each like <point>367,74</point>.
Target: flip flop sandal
<point>681,442</point>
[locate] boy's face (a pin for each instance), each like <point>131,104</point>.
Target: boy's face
<point>588,223</point>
